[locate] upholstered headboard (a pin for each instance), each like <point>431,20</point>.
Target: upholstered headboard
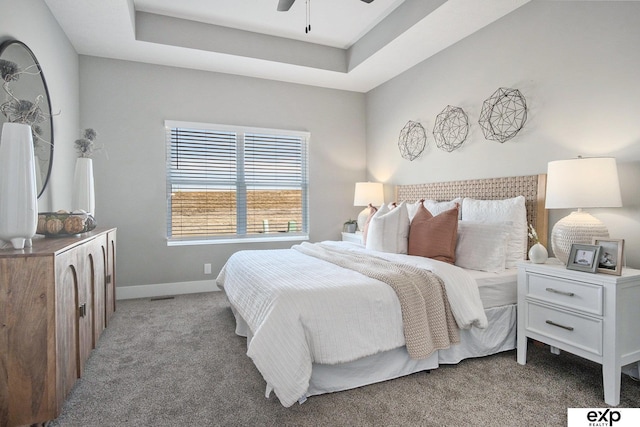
<point>532,187</point>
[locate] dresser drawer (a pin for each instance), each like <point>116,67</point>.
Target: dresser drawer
<point>579,296</point>
<point>578,331</point>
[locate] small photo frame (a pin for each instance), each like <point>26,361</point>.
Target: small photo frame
<point>584,257</point>
<point>610,259</point>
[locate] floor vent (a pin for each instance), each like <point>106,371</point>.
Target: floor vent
<point>161,298</point>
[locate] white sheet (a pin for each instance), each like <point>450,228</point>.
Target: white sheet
<point>497,289</point>
<point>300,310</point>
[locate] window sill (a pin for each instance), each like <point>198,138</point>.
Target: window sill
<point>237,240</point>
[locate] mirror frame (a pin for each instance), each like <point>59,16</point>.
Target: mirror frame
<point>47,110</point>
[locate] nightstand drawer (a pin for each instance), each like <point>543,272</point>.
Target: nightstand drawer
<point>578,331</point>
<point>575,295</point>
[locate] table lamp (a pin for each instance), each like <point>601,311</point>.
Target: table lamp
<point>580,183</point>
<point>367,193</point>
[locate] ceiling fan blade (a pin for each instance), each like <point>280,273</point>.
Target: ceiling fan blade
<point>285,5</point>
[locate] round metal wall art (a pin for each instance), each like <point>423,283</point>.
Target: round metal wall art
<point>451,128</point>
<point>503,114</point>
<point>412,141</point>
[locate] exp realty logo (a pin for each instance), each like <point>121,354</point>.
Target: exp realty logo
<point>603,417</point>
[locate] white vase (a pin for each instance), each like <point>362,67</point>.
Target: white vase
<point>538,254</point>
<point>83,189</point>
<point>18,192</point>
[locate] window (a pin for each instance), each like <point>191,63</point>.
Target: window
<point>230,184</point>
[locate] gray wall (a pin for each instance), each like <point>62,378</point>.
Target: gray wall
<point>575,62</point>
<point>31,22</point>
<point>127,103</point>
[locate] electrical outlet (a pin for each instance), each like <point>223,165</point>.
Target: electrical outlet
<point>207,269</point>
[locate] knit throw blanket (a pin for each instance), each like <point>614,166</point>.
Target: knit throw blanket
<point>427,319</point>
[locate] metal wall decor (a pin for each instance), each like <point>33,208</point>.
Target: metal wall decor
<point>503,114</point>
<point>451,128</point>
<point>412,141</point>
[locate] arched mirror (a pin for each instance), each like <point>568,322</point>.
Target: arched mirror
<point>29,85</point>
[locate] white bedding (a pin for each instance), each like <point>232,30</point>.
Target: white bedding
<point>497,289</point>
<point>301,310</point>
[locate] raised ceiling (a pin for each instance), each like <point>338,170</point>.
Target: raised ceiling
<point>352,45</point>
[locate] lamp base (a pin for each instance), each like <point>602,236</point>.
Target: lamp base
<point>577,227</point>
<point>362,218</point>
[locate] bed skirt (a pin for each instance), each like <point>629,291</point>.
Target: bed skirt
<point>499,336</point>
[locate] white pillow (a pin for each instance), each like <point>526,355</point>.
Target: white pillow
<point>389,230</point>
<point>511,210</point>
<point>412,209</point>
<point>482,245</point>
<point>435,208</point>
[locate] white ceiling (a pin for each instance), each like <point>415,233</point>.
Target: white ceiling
<point>352,45</point>
<point>337,23</point>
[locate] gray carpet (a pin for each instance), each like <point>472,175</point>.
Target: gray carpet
<point>178,362</point>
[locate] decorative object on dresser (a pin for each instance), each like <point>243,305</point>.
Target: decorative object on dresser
<point>583,258</point>
<point>590,315</point>
<point>56,298</point>
<point>580,183</point>
<point>537,252</point>
<point>63,223</point>
<point>503,114</point>
<point>451,128</point>
<point>27,101</point>
<point>83,184</point>
<point>18,192</point>
<point>367,193</point>
<point>412,140</point>
<point>611,256</point>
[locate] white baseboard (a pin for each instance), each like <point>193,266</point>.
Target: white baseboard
<point>164,289</point>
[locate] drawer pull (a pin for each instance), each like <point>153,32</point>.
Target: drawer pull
<point>568,328</point>
<point>555,291</point>
<point>82,310</point>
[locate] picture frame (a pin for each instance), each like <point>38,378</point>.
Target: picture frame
<point>584,257</point>
<point>610,259</point>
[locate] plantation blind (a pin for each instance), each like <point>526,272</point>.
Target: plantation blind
<point>226,183</point>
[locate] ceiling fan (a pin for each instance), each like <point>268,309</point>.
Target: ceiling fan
<point>285,5</point>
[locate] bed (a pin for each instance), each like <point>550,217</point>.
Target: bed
<point>321,317</point>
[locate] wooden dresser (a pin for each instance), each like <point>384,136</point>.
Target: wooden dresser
<point>55,300</point>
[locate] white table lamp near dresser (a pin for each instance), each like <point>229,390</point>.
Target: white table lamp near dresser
<point>594,316</point>
<point>580,183</point>
<point>367,193</point>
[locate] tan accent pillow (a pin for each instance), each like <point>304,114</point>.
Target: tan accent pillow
<point>434,236</point>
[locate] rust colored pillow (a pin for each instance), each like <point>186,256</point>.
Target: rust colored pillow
<point>434,236</point>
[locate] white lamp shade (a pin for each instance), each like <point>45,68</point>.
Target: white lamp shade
<point>580,183</point>
<point>583,183</point>
<point>368,192</point>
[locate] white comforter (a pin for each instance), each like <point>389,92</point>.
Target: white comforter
<point>302,310</point>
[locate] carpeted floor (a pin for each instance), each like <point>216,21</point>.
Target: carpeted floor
<point>177,362</point>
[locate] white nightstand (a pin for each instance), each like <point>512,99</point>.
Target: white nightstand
<point>594,316</point>
<point>352,237</point>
